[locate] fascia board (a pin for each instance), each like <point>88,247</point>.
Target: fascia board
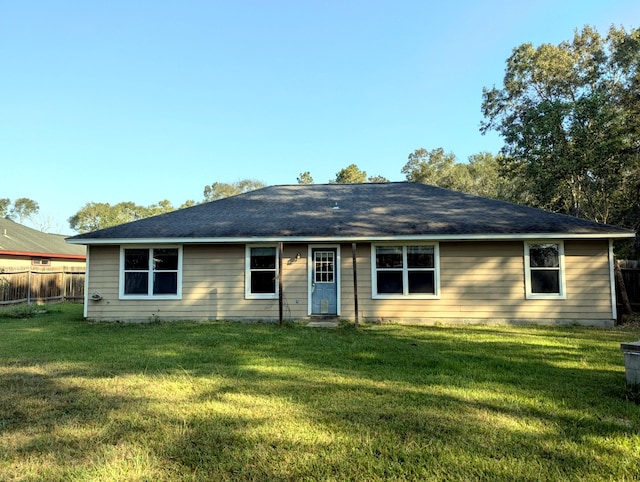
<point>351,239</point>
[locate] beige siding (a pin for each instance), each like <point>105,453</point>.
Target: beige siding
<point>479,281</point>
<point>212,287</point>
<point>485,280</point>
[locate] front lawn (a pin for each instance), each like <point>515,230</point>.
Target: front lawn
<point>230,401</point>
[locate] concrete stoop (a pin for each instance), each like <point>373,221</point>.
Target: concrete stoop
<point>323,322</point>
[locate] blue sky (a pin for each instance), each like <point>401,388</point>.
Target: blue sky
<point>149,100</point>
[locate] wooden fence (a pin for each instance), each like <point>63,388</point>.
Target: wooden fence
<point>631,277</point>
<point>38,286</point>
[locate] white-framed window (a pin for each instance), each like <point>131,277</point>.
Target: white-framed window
<point>261,271</point>
<point>544,270</point>
<point>151,272</point>
<point>40,261</point>
<point>405,270</point>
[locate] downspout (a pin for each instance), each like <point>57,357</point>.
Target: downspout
<point>86,283</point>
<point>280,294</point>
<point>612,283</point>
<point>355,281</point>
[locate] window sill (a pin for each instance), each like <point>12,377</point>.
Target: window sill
<point>547,296</point>
<point>405,297</point>
<point>267,296</point>
<point>151,298</point>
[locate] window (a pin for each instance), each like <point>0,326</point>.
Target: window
<point>325,264</point>
<point>405,271</point>
<point>261,272</point>
<point>40,261</point>
<point>544,270</point>
<point>151,272</point>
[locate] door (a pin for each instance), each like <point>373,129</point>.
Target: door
<point>324,292</point>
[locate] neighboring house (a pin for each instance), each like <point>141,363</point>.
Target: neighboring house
<point>25,248</point>
<point>421,254</point>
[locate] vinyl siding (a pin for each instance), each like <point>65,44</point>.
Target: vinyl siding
<point>479,281</point>
<point>212,287</point>
<point>485,280</point>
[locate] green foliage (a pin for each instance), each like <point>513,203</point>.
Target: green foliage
<point>22,208</point>
<point>24,311</point>
<point>569,115</point>
<point>4,206</point>
<point>237,401</point>
<point>219,190</point>
<point>479,176</point>
<point>305,178</point>
<point>93,216</point>
<point>436,168</point>
<point>350,175</point>
<point>379,179</point>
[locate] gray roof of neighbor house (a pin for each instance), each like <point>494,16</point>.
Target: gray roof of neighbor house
<point>19,240</point>
<point>351,212</point>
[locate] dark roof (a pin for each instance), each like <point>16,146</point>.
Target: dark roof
<point>16,238</point>
<point>351,211</point>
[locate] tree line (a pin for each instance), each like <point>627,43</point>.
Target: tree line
<point>569,116</point>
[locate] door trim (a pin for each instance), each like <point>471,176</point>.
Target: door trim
<point>310,267</point>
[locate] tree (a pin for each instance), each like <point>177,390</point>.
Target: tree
<point>569,116</point>
<point>23,208</point>
<point>93,216</point>
<point>486,179</point>
<point>437,168</point>
<point>305,178</point>
<point>350,175</point>
<point>378,179</point>
<point>161,207</point>
<point>219,190</point>
<point>4,206</point>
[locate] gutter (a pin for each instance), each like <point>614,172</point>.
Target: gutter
<point>348,239</point>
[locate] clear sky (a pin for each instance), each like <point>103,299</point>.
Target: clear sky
<point>111,101</point>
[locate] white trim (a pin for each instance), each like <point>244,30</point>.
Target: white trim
<point>248,295</point>
<point>527,273</point>
<point>150,295</point>
<point>338,276</point>
<point>612,283</point>
<point>353,239</point>
<point>405,270</point>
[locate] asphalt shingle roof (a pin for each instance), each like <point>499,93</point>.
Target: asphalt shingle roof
<point>352,211</point>
<point>15,237</point>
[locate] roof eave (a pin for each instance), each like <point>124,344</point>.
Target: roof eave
<point>350,239</point>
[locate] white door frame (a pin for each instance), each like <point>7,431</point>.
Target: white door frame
<point>310,270</point>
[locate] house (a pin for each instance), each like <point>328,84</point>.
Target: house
<point>399,252</point>
<point>25,248</point>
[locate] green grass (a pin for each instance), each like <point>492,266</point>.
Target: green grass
<point>230,401</point>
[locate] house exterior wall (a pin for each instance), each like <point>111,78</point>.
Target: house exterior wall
<point>485,281</point>
<point>212,287</point>
<point>480,281</point>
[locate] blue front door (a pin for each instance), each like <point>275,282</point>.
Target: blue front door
<point>324,293</point>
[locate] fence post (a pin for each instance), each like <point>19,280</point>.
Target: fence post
<point>29,287</point>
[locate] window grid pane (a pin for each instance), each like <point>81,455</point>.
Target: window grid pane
<point>324,266</point>
<point>389,257</point>
<point>420,256</point>
<point>544,256</point>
